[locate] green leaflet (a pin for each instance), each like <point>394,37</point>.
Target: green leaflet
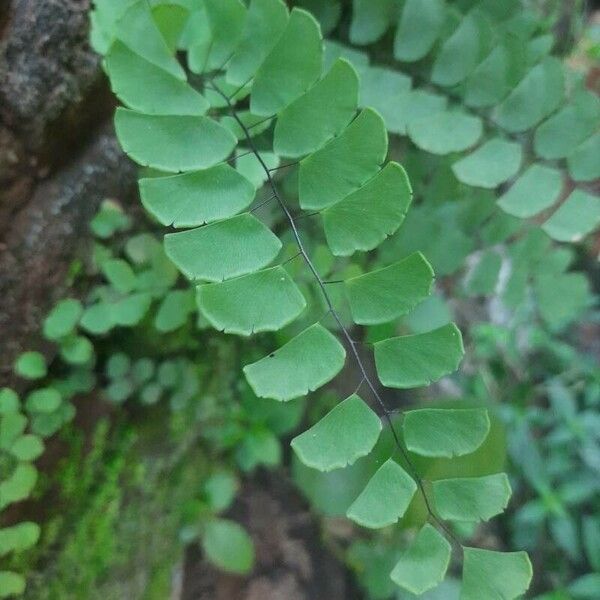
<point>226,20</point>
<point>305,363</point>
<point>364,218</point>
<point>385,497</point>
<point>228,546</point>
<point>537,189</point>
<point>491,164</point>
<point>9,402</point>
<point>18,537</point>
<point>44,400</point>
<point>560,135</point>
<point>386,294</point>
<point>489,83</point>
<point>575,218</point>
<point>417,360</point>
<point>164,94</point>
<point>291,67</point>
<point>11,584</point>
<point>344,164</point>
<point>31,365</point>
<point>27,448</point>
<point>265,22</point>
<point>262,301</point>
<point>62,319</point>
<point>446,132</point>
<point>119,274</point>
<point>173,143</point>
<point>319,114</point>
<point>347,432</point>
<point>445,432</point>
<point>137,30</point>
<point>471,498</point>
<point>197,197</point>
<point>371,19</point>
<point>424,564</point>
<point>489,574</point>
<point>537,95</point>
<point>420,25</point>
<point>583,162</point>
<point>224,249</point>
<point>174,310</point>
<point>12,425</point>
<point>18,485</point>
<point>459,53</point>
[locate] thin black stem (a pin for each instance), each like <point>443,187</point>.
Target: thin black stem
<point>283,166</point>
<point>260,122</point>
<point>261,204</point>
<point>351,343</point>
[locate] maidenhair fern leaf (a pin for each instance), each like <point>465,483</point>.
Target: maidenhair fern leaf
<point>491,164</point>
<point>305,363</point>
<point>423,566</point>
<point>537,189</point>
<point>446,132</point>
<point>226,19</point>
<point>385,497</point>
<point>417,360</point>
<point>445,432</point>
<point>420,24</point>
<point>164,94</point>
<point>489,574</point>
<point>265,22</point>
<point>583,162</point>
<point>386,294</point>
<point>347,432</point>
<point>364,218</point>
<point>575,218</point>
<point>275,302</point>
<point>224,249</point>
<point>471,498</point>
<point>344,164</point>
<point>291,67</point>
<point>197,197</point>
<point>173,143</point>
<point>137,29</point>
<point>318,115</point>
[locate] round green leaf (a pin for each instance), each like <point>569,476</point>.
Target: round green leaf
<point>446,132</point>
<point>575,218</point>
<point>276,301</point>
<point>343,164</point>
<point>226,20</point>
<point>471,498</point>
<point>11,584</point>
<point>291,67</point>
<point>173,143</point>
<point>62,319</point>
<point>386,294</point>
<point>537,189</point>
<point>265,21</point>
<point>224,249</point>
<point>27,448</point>
<point>19,484</point>
<point>363,219</point>
<point>490,574</point>
<point>174,310</point>
<point>385,497</point>
<point>319,114</point>
<point>228,546</point>
<point>420,24</point>
<point>149,89</point>
<point>12,425</point>
<point>304,364</point>
<point>538,94</point>
<point>197,197</point>
<point>583,162</point>
<point>423,566</point>
<point>491,164</point>
<point>445,432</point>
<point>343,435</point>
<point>31,365</point>
<point>44,400</point>
<point>18,538</point>
<point>416,360</point>
<point>119,274</point>
<point>77,350</point>
<point>9,401</point>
